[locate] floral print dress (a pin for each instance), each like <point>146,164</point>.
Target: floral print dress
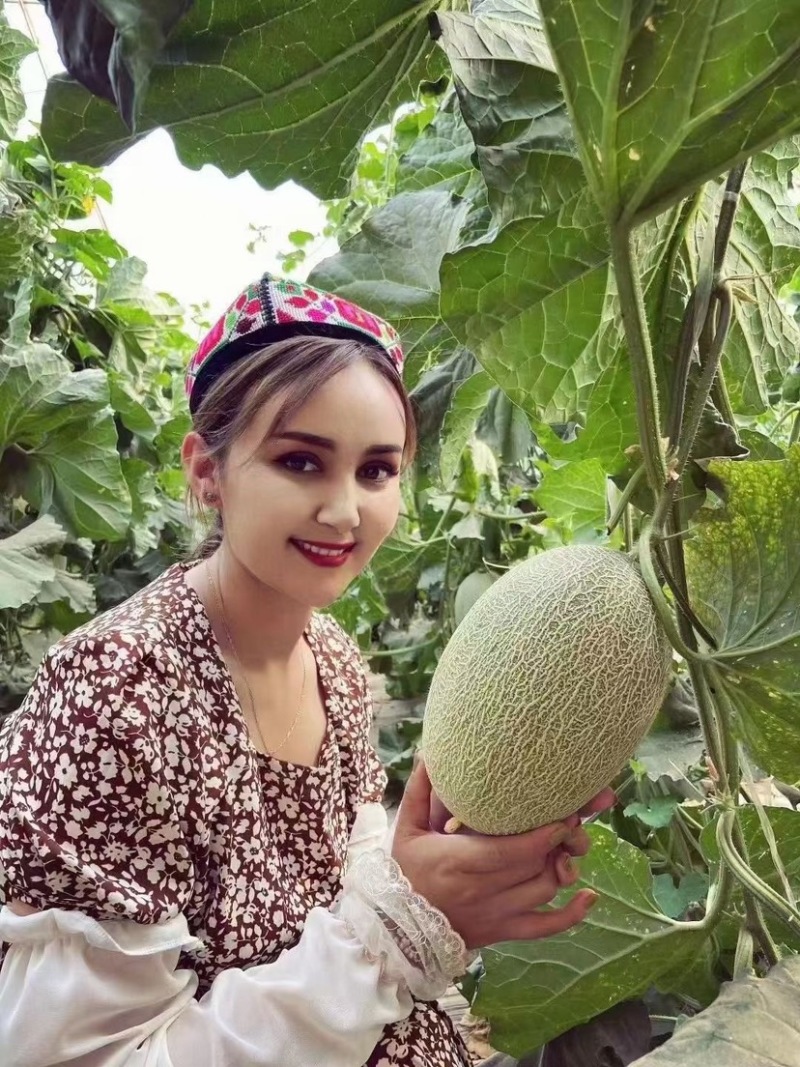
<point>129,788</point>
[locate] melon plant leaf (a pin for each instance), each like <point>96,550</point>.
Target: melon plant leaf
<point>63,427</point>
<point>468,403</point>
<point>392,267</point>
<point>24,564</point>
<point>529,305</point>
<point>664,97</point>
<point>282,91</point>
<point>511,100</point>
<point>534,990</point>
<point>14,46</point>
<point>674,900</point>
<point>110,45</point>
<point>574,497</point>
<point>744,583</point>
<point>753,1021</point>
<point>763,252</point>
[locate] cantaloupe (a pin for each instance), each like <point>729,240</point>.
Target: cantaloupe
<point>468,592</point>
<point>545,689</point>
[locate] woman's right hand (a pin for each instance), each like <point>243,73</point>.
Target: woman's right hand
<point>489,887</point>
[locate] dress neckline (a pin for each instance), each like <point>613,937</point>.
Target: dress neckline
<point>315,644</point>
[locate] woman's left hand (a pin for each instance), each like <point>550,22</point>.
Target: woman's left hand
<point>577,844</point>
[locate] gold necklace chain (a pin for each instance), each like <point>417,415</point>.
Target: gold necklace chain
<point>218,596</point>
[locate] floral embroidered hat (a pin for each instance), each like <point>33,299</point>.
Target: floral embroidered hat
<point>275,308</point>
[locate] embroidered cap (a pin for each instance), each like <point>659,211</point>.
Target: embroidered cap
<point>275,308</point>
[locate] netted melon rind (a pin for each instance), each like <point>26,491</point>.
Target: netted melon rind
<point>545,690</point>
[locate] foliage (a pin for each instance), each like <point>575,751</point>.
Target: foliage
<point>584,246</point>
<point>92,414</point>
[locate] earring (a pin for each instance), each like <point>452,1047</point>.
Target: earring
<point>210,498</point>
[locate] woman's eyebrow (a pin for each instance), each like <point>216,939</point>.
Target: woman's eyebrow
<point>325,442</point>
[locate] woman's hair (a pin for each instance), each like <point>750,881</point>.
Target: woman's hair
<point>295,369</point>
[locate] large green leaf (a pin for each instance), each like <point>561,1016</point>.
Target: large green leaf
<point>574,495</point>
<point>469,401</point>
<point>280,90</point>
<point>110,45</point>
<point>529,305</point>
<point>755,1022</point>
<point>392,266</point>
<point>14,46</point>
<point>664,96</point>
<point>442,157</point>
<point>63,428</point>
<point>743,566</point>
<point>534,990</point>
<point>763,252</point>
<point>24,564</point>
<point>512,102</point>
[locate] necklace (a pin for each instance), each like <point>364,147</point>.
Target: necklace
<point>218,597</point>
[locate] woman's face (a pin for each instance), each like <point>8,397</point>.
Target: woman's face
<point>278,493</point>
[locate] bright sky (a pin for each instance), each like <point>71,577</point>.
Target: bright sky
<point>190,227</point>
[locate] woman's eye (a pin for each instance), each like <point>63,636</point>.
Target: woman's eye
<point>379,472</point>
<point>372,472</point>
<point>298,463</point>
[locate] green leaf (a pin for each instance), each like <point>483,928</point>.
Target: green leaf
<point>744,582</point>
<point>656,812</point>
<point>282,91</point>
<point>25,568</point>
<point>675,899</point>
<point>14,46</point>
<point>392,266</point>
<point>529,305</point>
<point>574,497</point>
<point>469,401</point>
<point>664,97</point>
<point>440,155</point>
<point>754,1021</point>
<point>669,753</point>
<point>534,990</point>
<point>64,428</point>
<point>764,250</point>
<point>512,102</point>
<point>111,45</point>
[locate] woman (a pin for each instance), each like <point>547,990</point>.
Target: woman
<point>193,849</point>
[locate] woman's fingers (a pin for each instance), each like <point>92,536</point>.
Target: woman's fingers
<point>601,801</point>
<point>556,920</point>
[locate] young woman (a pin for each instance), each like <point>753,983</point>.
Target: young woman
<point>194,856</point>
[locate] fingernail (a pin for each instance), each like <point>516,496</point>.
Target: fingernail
<point>591,898</point>
<point>568,864</point>
<point>560,836</point>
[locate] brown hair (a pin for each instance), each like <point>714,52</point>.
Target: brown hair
<point>295,368</point>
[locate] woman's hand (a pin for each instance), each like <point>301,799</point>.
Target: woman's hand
<point>490,887</point>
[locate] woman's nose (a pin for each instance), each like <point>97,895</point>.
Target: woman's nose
<point>341,510</point>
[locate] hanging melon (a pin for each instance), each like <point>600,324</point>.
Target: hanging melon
<point>545,689</point>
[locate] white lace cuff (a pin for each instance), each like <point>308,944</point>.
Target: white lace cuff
<point>415,941</point>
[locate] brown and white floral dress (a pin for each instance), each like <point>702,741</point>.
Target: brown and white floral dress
<point>130,789</point>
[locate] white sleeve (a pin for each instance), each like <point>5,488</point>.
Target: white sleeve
<point>107,994</point>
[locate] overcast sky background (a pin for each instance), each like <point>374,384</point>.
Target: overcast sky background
<point>190,227</point>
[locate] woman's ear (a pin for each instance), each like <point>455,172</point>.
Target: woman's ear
<point>201,469</point>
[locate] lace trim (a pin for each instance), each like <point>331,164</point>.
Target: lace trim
<point>414,940</point>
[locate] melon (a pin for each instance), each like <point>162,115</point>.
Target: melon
<point>468,592</point>
<point>545,690</point>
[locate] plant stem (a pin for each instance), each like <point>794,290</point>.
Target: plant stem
<point>624,499</point>
<point>690,426</point>
<point>640,356</point>
<point>748,878</point>
<point>795,434</point>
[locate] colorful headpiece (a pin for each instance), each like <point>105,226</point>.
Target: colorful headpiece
<point>273,309</point>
